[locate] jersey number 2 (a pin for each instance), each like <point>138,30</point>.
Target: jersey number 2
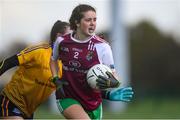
<point>76,54</point>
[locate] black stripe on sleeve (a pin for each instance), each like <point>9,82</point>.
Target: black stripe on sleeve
<point>8,63</point>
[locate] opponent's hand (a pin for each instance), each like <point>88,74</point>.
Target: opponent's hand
<point>110,82</point>
<point>122,94</point>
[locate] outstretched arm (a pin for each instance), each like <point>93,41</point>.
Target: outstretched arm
<point>121,94</point>
<point>8,63</point>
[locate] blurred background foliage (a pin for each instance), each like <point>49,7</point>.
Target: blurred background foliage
<point>154,62</point>
<point>155,78</point>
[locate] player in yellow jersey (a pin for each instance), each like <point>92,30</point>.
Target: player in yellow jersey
<point>31,83</point>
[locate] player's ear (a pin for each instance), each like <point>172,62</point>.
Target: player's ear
<point>77,24</point>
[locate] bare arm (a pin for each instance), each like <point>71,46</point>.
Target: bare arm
<point>54,67</point>
<point>54,59</point>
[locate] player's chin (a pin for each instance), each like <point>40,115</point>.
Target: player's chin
<point>90,32</point>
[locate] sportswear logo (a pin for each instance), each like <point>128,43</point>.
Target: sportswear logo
<point>112,66</point>
<point>49,84</point>
<point>65,49</point>
<point>75,64</point>
<point>77,49</point>
<point>91,46</point>
<point>89,55</point>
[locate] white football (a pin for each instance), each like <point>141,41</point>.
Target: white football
<point>94,72</point>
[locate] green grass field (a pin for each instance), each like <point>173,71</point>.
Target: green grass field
<point>141,109</point>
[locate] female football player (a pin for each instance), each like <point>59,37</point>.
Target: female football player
<point>79,51</point>
<point>31,83</point>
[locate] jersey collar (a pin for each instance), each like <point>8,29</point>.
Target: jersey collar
<point>84,41</point>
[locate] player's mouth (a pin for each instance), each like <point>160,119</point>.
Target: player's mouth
<point>91,30</point>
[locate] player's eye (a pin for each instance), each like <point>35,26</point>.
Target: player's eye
<point>94,19</point>
<point>88,20</point>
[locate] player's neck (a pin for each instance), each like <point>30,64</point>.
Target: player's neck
<point>81,37</point>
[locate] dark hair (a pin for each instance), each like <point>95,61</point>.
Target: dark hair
<point>77,14</point>
<point>58,27</point>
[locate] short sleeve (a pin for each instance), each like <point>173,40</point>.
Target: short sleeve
<point>55,54</point>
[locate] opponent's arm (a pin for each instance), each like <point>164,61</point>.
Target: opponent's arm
<point>121,94</point>
<point>8,63</point>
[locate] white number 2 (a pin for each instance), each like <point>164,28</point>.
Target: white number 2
<point>76,55</point>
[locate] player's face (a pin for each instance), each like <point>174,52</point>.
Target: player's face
<point>87,24</point>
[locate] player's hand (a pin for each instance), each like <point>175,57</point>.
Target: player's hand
<point>122,94</point>
<point>110,82</point>
<point>59,84</point>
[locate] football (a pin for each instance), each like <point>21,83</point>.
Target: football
<point>94,72</point>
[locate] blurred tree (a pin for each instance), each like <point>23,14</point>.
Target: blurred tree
<point>154,61</point>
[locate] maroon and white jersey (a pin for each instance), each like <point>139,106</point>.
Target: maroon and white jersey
<point>77,57</point>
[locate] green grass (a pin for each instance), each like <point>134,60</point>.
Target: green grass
<point>139,109</point>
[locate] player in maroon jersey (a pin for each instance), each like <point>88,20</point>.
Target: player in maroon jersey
<point>79,51</point>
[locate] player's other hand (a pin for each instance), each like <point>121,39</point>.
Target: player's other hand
<point>110,82</point>
<point>59,84</point>
<point>122,94</point>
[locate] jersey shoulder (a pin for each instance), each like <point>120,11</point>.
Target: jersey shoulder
<point>33,48</point>
<point>66,36</point>
<point>34,54</point>
<point>99,39</point>
<point>63,38</point>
